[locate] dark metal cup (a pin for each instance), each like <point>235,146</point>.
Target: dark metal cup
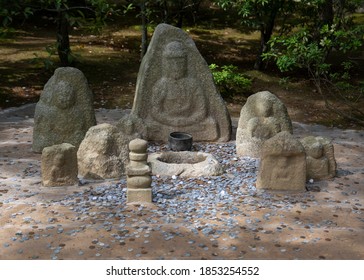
<point>180,141</point>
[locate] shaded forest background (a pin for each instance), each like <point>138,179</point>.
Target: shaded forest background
<point>308,53</point>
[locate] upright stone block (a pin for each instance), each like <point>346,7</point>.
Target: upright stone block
<point>320,157</point>
<point>138,173</point>
<point>59,165</point>
<point>103,153</point>
<point>261,118</point>
<point>283,164</point>
<point>64,112</point>
<point>175,90</point>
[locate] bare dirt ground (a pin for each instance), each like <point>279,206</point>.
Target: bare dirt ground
<point>326,222</point>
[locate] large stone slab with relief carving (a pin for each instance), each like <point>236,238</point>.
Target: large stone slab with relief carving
<point>283,164</point>
<point>64,112</point>
<point>262,117</point>
<point>175,90</point>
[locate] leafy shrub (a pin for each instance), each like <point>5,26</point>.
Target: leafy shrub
<point>308,50</point>
<point>229,81</point>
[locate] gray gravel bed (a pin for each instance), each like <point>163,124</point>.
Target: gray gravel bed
<point>191,200</point>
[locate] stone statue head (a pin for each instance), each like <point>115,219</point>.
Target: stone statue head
<point>315,150</point>
<point>264,108</point>
<point>65,96</point>
<point>174,60</point>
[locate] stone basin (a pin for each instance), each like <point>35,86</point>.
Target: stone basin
<point>184,164</point>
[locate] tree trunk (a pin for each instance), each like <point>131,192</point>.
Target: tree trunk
<point>266,32</point>
<point>264,38</point>
<point>144,46</point>
<point>63,41</point>
<point>326,13</point>
<point>180,20</point>
<point>165,12</point>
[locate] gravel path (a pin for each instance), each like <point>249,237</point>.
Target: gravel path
<point>221,217</point>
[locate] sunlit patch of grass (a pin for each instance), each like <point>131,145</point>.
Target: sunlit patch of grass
<point>358,18</point>
<point>264,77</point>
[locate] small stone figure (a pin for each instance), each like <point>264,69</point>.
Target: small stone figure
<point>59,165</point>
<point>138,173</point>
<point>262,117</point>
<point>64,112</point>
<point>175,91</point>
<point>320,157</point>
<point>283,164</point>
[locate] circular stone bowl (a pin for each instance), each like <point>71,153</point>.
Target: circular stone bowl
<point>180,141</point>
<point>184,164</point>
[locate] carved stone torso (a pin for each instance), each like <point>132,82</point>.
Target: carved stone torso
<point>184,109</point>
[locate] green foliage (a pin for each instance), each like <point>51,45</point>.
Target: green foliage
<point>254,13</point>
<point>310,48</point>
<point>88,14</point>
<point>284,82</point>
<point>12,8</point>
<point>9,9</point>
<point>305,50</point>
<point>167,11</point>
<point>229,81</point>
<point>309,45</point>
<point>261,15</point>
<point>48,61</point>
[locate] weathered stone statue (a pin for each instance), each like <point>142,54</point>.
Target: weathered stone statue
<point>64,112</point>
<point>138,173</point>
<point>262,117</point>
<point>59,165</point>
<point>283,164</point>
<point>175,90</point>
<point>320,157</point>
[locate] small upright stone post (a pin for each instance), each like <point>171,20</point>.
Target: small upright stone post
<point>283,164</point>
<point>59,165</point>
<point>138,173</point>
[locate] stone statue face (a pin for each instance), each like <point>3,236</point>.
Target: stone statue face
<point>264,108</point>
<point>174,61</point>
<point>65,95</point>
<point>315,151</point>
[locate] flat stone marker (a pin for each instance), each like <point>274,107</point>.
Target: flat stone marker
<point>59,165</point>
<point>175,90</point>
<point>283,164</point>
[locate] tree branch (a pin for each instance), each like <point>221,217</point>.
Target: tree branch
<point>329,106</point>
